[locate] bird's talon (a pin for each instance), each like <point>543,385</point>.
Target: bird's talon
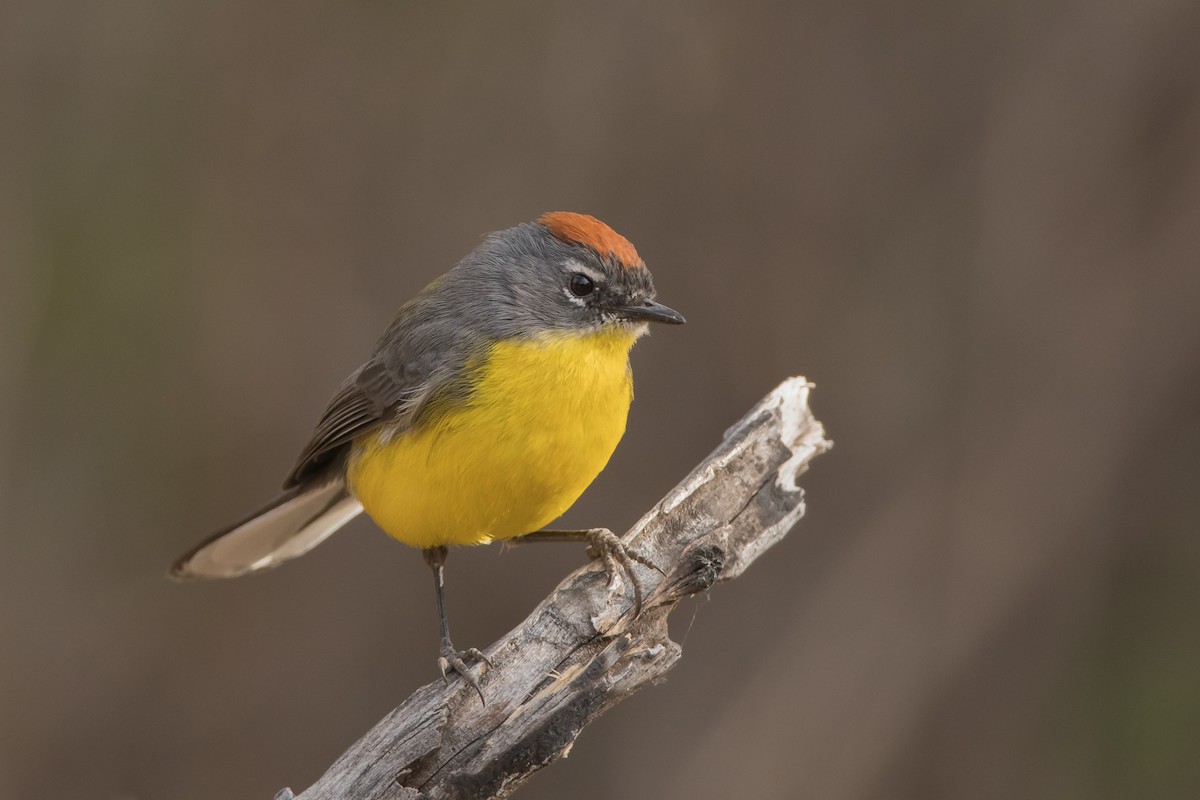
<point>603,543</point>
<point>475,654</point>
<point>456,661</point>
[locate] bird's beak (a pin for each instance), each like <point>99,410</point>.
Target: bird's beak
<point>650,311</point>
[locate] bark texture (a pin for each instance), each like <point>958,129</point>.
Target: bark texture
<point>582,650</point>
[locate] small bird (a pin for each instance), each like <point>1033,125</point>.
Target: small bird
<point>492,401</point>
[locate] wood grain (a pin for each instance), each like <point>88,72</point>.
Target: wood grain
<point>582,651</point>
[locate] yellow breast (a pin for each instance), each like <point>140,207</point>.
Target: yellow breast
<point>543,419</point>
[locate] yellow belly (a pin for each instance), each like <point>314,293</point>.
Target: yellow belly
<point>543,420</point>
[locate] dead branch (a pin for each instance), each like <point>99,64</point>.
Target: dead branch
<point>580,653</point>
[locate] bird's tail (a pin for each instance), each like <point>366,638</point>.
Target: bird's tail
<point>291,525</point>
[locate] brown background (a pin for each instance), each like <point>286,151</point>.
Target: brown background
<point>976,226</point>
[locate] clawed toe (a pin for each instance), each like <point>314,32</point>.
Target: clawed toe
<point>606,545</point>
<point>450,660</point>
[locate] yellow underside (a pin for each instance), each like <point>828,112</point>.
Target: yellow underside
<point>543,420</point>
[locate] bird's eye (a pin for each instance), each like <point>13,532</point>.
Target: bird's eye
<point>581,285</point>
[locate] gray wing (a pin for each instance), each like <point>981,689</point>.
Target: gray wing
<point>365,401</point>
<point>417,366</point>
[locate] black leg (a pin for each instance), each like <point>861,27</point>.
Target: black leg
<point>448,657</point>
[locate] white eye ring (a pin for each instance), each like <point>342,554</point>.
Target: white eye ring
<point>579,301</point>
<point>577,270</point>
<point>581,285</point>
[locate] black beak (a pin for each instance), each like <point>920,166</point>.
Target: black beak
<point>650,311</point>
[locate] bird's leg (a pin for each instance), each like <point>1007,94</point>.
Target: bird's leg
<point>602,544</point>
<point>448,657</point>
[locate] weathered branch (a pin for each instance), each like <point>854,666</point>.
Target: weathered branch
<point>580,653</point>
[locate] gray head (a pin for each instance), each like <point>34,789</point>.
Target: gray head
<point>563,273</point>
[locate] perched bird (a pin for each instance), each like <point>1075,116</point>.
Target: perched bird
<point>492,401</point>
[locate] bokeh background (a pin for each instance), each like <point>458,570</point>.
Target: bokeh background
<point>975,226</point>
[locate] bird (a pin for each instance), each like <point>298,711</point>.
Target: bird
<point>491,402</point>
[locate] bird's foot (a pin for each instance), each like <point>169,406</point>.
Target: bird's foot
<point>450,659</point>
<point>606,545</point>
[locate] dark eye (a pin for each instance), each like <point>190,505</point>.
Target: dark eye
<point>581,285</point>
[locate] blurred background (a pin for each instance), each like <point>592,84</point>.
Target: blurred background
<point>975,226</point>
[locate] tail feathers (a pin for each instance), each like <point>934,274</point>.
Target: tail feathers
<point>294,523</point>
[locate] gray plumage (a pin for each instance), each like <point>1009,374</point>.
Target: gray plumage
<point>515,285</point>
